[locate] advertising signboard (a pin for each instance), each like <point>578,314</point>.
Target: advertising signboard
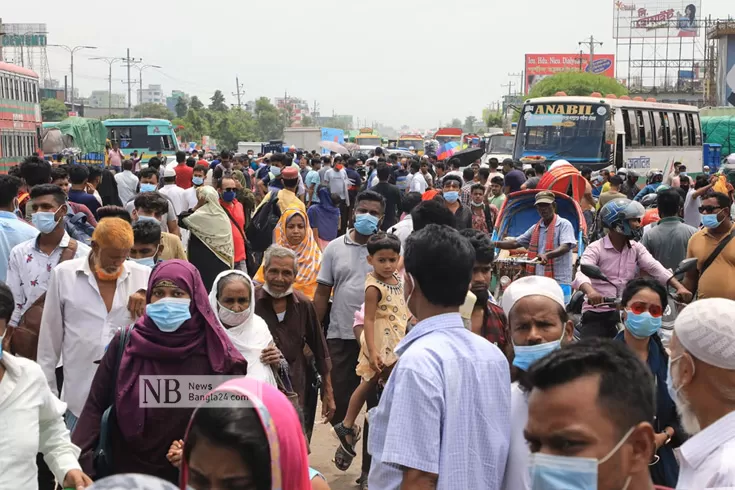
<point>30,35</point>
<point>656,18</point>
<point>540,66</point>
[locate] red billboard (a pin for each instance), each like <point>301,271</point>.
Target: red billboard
<point>540,66</point>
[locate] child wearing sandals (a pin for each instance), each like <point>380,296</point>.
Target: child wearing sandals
<point>386,315</point>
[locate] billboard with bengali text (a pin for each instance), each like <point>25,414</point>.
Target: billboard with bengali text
<point>540,66</point>
<point>656,19</point>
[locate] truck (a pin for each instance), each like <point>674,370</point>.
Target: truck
<point>368,139</point>
<point>445,135</point>
<point>245,146</point>
<point>411,141</point>
<point>309,138</point>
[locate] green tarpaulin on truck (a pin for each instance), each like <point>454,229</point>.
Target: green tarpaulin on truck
<point>89,135</point>
<point>720,130</point>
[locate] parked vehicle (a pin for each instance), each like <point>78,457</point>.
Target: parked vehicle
<point>146,135</point>
<point>20,115</point>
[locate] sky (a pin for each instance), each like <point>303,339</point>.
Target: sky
<point>399,62</point>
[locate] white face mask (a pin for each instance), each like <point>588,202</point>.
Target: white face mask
<point>268,290</point>
<point>232,318</point>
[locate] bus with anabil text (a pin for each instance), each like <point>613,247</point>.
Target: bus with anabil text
<point>598,132</point>
<point>20,115</point>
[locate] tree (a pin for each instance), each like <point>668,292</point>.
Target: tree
<point>182,107</point>
<point>269,121</point>
<point>307,121</point>
<point>456,123</point>
<point>53,110</point>
<point>493,119</point>
<point>196,104</point>
<point>218,102</point>
<point>234,126</point>
<point>469,124</point>
<point>156,111</point>
<point>577,83</point>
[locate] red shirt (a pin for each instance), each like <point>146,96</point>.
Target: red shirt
<point>184,175</point>
<point>202,161</point>
<point>237,212</point>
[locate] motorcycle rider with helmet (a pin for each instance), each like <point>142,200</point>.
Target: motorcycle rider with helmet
<point>620,258</point>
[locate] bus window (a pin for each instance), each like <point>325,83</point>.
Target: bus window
<point>681,122</point>
<point>649,120</point>
<point>697,130</point>
<point>675,128</point>
<point>627,129</point>
<point>662,131</point>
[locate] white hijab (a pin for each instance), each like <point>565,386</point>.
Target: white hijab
<point>251,336</point>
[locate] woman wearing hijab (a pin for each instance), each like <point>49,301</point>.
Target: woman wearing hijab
<point>293,232</point>
<point>178,335</point>
<point>324,217</point>
<point>211,248</point>
<point>233,300</point>
<point>258,445</point>
<point>108,189</point>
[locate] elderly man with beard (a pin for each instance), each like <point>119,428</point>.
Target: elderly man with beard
<point>701,382</point>
<point>293,322</point>
<point>538,325</point>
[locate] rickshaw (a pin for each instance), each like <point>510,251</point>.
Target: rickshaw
<point>515,217</point>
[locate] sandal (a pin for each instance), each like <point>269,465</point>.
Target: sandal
<point>346,452</point>
<point>342,459</point>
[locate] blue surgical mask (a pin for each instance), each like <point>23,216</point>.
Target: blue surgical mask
<point>366,224</point>
<point>710,221</point>
<point>673,390</point>
<point>569,472</point>
<point>147,187</point>
<point>169,313</point>
<point>45,221</point>
<point>276,171</point>
<point>228,196</point>
<point>147,218</point>
<point>642,326</point>
<point>146,261</point>
<point>197,180</point>
<point>451,196</point>
<point>525,355</point>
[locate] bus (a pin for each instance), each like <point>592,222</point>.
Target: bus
<point>598,132</point>
<point>499,145</point>
<point>145,135</point>
<point>406,141</point>
<point>20,115</point>
<point>368,139</point>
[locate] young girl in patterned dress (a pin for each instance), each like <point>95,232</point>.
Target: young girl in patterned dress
<point>386,315</point>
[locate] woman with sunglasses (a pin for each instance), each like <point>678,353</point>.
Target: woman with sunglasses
<point>644,301</point>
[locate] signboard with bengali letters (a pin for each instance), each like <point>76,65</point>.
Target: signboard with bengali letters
<point>540,66</point>
<point>656,18</point>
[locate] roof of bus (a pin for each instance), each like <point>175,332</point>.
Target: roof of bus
<point>145,121</point>
<point>612,102</point>
<point>19,70</point>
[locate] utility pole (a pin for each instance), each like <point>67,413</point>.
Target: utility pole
<point>71,53</point>
<point>140,80</point>
<point>519,76</point>
<point>510,86</point>
<point>110,62</point>
<point>591,43</point>
<point>128,63</point>
<point>240,92</point>
<point>580,59</point>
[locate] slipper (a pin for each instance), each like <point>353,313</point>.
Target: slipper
<point>342,459</point>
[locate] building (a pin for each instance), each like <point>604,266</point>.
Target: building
<point>101,98</point>
<point>151,95</point>
<point>299,108</point>
<point>174,99</point>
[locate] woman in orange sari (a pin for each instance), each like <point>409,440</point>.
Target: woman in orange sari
<point>294,232</point>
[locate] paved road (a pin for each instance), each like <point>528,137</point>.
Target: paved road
<point>323,445</point>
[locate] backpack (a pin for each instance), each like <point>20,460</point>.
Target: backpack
<point>260,229</point>
<point>78,228</point>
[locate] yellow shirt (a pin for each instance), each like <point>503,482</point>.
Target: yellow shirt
<point>172,247</point>
<point>716,282</point>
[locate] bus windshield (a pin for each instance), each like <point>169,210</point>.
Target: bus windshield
<point>370,141</point>
<point>500,143</point>
<point>443,140</point>
<point>137,137</point>
<point>409,143</point>
<point>563,130</point>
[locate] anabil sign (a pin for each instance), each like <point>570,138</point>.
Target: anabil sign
<point>656,18</point>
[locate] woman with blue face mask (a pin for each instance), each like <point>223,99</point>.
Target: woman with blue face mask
<point>644,301</point>
<point>179,335</point>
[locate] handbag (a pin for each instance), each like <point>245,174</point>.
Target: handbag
<point>24,340</point>
<point>283,383</point>
<point>102,459</point>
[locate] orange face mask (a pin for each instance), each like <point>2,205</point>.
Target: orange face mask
<point>339,167</point>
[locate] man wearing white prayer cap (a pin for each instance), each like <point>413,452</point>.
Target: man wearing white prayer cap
<point>702,384</point>
<point>538,325</point>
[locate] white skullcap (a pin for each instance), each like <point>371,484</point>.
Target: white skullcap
<point>706,330</point>
<point>731,159</point>
<point>558,164</point>
<point>531,286</point>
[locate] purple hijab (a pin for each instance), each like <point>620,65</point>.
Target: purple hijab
<point>324,216</point>
<point>153,352</point>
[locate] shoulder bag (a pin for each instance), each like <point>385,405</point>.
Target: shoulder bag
<point>102,459</point>
<point>24,340</point>
<point>716,252</point>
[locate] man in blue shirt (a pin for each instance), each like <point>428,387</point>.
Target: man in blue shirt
<point>443,420</point>
<point>12,229</point>
<point>79,176</point>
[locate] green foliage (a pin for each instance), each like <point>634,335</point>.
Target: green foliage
<point>456,123</point>
<point>307,121</point>
<point>182,107</point>
<point>469,124</point>
<point>196,104</point>
<point>270,122</point>
<point>53,110</point>
<point>493,119</point>
<point>579,84</point>
<point>218,102</point>
<point>233,126</point>
<point>157,111</point>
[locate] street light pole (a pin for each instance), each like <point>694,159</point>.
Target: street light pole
<point>71,52</point>
<point>140,80</point>
<point>110,62</point>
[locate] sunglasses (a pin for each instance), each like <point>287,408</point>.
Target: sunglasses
<point>639,308</point>
<point>708,209</point>
<point>231,189</point>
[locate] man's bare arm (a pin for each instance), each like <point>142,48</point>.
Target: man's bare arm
<point>418,480</point>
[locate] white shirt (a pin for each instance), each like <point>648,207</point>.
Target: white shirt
<point>409,180</point>
<point>29,271</point>
<point>77,325</point>
<point>707,459</point>
<point>418,184</point>
<point>337,182</point>
<point>191,197</point>
<point>127,185</point>
<point>402,229</point>
<point>691,210</point>
<point>516,469</point>
<point>32,422</point>
<point>177,196</point>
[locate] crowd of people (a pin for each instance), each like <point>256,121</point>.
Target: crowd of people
<point>334,282</point>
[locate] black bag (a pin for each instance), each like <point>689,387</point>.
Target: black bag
<point>260,229</point>
<point>102,459</point>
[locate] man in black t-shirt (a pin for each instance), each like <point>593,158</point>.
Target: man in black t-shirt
<point>514,177</point>
<point>392,197</point>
